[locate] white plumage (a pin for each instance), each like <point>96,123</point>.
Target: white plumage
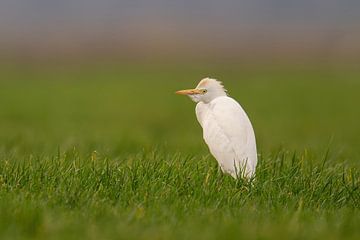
<point>227,129</point>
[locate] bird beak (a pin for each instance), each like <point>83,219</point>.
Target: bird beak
<point>189,92</point>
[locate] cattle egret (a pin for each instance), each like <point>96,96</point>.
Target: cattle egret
<point>227,129</point>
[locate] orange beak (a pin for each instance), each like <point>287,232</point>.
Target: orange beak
<point>189,92</point>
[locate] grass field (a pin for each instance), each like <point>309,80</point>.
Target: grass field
<point>110,152</point>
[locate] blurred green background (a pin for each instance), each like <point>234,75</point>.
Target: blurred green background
<point>109,107</point>
<point>103,74</point>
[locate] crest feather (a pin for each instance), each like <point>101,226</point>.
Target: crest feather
<point>210,81</point>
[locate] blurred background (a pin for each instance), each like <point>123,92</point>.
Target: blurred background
<point>250,30</point>
<point>101,74</point>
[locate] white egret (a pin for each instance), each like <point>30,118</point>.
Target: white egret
<point>227,129</point>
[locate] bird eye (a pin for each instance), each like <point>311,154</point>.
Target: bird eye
<point>204,91</point>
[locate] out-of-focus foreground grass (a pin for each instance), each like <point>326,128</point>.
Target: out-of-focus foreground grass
<point>113,152</point>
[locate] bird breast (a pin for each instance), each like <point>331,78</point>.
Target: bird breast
<point>229,135</point>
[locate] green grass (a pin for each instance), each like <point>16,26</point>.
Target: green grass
<point>112,153</point>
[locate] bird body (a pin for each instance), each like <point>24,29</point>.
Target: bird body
<point>227,129</point>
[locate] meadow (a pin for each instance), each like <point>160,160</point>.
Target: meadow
<point>110,152</point>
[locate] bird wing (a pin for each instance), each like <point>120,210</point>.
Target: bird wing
<point>229,134</point>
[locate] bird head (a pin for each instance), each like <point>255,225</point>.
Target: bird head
<point>207,90</point>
